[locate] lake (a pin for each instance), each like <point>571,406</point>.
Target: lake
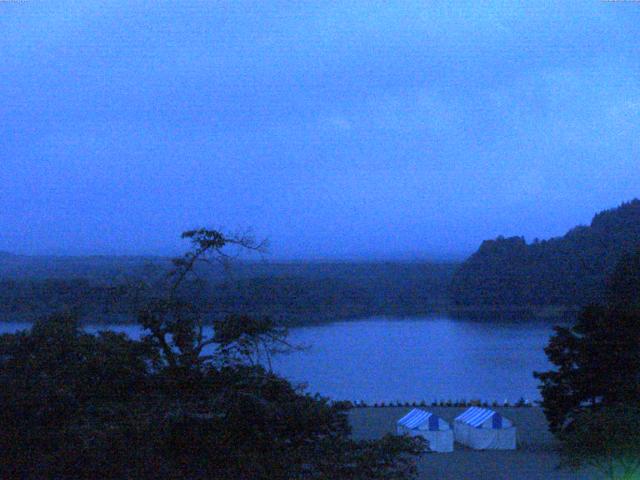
<point>381,359</point>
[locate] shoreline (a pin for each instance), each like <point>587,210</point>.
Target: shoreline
<point>510,314</point>
<point>521,403</point>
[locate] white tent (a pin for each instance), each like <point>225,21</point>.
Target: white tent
<point>484,429</point>
<point>432,428</point>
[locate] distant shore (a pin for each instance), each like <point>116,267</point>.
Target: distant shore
<point>513,313</point>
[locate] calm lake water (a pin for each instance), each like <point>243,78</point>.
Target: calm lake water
<point>410,359</point>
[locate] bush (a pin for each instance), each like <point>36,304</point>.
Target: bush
<point>79,406</point>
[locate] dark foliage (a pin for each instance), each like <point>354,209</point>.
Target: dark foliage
<point>597,363</point>
<point>294,293</point>
<point>176,404</point>
<point>68,399</point>
<point>597,360</point>
<point>566,271</point>
<point>623,292</point>
<point>592,398</point>
<point>607,439</point>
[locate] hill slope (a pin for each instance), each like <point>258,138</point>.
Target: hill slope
<point>565,271</point>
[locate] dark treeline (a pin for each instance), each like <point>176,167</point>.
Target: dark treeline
<point>567,271</point>
<point>104,268</point>
<point>295,293</point>
<point>505,277</point>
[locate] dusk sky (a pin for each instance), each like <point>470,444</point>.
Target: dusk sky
<point>334,129</point>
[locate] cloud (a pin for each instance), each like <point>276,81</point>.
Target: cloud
<point>447,121</point>
<point>336,123</point>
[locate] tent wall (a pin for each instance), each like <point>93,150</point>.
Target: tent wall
<point>437,441</point>
<point>441,441</point>
<point>485,438</point>
<point>433,429</point>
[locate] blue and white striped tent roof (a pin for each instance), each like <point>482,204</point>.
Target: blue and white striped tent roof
<point>476,416</point>
<point>416,418</point>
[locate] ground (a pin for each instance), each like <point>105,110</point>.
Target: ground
<point>535,458</point>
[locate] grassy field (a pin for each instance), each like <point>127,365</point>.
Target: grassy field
<point>535,458</point>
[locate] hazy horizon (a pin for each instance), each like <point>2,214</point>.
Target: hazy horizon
<point>268,255</point>
<point>337,131</point>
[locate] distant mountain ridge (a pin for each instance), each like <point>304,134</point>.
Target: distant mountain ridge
<point>563,271</point>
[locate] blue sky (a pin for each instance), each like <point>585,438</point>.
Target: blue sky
<point>335,129</point>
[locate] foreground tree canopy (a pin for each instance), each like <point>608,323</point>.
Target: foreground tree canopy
<point>607,439</point>
<point>176,403</point>
<point>595,387</point>
<point>597,360</point>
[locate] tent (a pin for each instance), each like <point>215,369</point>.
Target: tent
<point>432,428</point>
<point>484,429</point>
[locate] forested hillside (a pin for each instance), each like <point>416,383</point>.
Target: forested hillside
<point>564,271</point>
<point>104,289</point>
